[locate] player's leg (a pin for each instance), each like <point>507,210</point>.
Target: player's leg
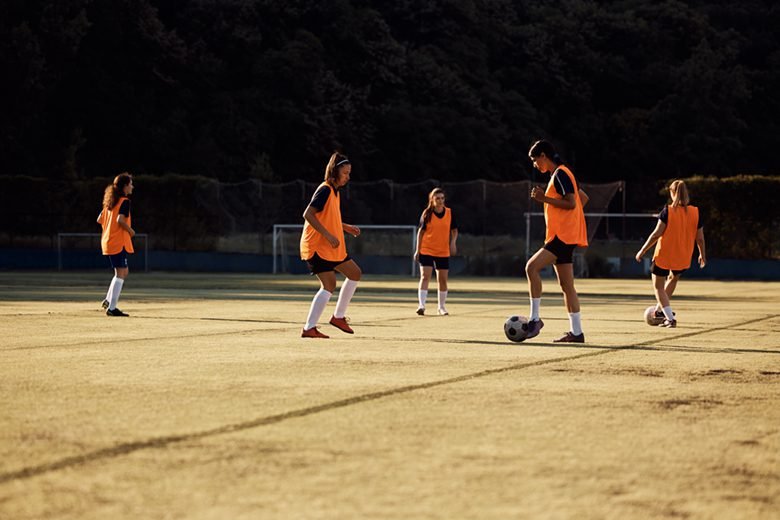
<point>426,271</point>
<point>352,273</point>
<point>441,278</point>
<point>327,278</point>
<point>533,269</point>
<point>671,284</point>
<point>659,281</point>
<point>565,274</point>
<point>121,272</point>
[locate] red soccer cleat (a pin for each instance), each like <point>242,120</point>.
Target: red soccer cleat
<point>313,333</point>
<point>341,324</point>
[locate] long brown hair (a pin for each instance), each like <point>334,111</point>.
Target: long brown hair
<point>116,190</point>
<point>679,192</point>
<point>429,209</point>
<point>337,160</point>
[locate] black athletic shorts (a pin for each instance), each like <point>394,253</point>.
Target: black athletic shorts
<point>437,262</point>
<point>318,265</point>
<point>119,260</point>
<point>660,271</point>
<point>563,252</point>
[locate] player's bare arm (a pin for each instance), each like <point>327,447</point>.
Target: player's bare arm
<point>122,221</point>
<point>567,202</point>
<point>700,244</point>
<point>453,242</point>
<point>351,229</point>
<point>310,216</point>
<point>584,198</point>
<point>651,240</point>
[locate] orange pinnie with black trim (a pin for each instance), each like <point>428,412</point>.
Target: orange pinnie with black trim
<point>436,236</point>
<point>675,247</point>
<point>312,241</point>
<point>114,238</point>
<point>567,224</point>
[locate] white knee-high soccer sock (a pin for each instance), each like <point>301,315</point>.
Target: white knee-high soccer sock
<point>422,296</point>
<point>576,323</point>
<point>536,304</point>
<point>318,304</point>
<point>110,286</point>
<point>345,296</point>
<point>442,299</point>
<point>668,313</point>
<point>114,291</point>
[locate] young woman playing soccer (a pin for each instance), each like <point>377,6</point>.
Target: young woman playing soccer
<point>436,241</point>
<point>116,241</point>
<point>323,248</point>
<point>679,226</point>
<point>565,221</point>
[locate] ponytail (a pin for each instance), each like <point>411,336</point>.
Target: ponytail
<point>679,193</point>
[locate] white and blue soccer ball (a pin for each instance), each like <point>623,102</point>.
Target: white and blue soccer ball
<point>516,328</point>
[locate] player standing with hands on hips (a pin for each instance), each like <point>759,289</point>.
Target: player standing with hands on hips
<point>117,237</point>
<point>323,248</point>
<point>679,226</point>
<point>436,240</point>
<point>565,230</point>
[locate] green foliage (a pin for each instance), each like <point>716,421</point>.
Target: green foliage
<point>741,219</point>
<point>447,89</point>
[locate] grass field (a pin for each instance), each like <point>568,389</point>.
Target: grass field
<point>207,404</point>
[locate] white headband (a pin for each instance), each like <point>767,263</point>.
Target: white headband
<point>343,161</point>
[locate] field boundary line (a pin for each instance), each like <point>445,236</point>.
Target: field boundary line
<point>162,442</point>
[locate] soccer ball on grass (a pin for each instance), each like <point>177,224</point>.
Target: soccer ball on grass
<point>516,328</point>
<point>650,317</point>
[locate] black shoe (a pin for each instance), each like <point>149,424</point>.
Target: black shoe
<point>421,311</point>
<point>104,304</point>
<point>115,312</point>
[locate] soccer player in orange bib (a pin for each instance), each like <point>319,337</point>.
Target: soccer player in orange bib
<point>565,221</point>
<point>679,227</point>
<point>116,241</point>
<point>436,241</point>
<point>323,248</point>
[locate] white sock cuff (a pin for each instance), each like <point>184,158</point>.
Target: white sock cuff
<point>536,304</point>
<point>575,319</point>
<point>318,304</point>
<point>345,296</point>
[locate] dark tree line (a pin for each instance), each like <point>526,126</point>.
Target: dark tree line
<point>410,89</point>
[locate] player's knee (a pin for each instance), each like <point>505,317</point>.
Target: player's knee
<point>531,268</point>
<point>355,277</point>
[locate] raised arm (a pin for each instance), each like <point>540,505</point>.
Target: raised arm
<point>567,202</point>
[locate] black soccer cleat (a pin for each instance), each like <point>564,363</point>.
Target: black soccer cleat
<point>104,304</point>
<point>115,312</point>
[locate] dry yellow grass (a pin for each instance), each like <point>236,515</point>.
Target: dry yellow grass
<point>205,403</point>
